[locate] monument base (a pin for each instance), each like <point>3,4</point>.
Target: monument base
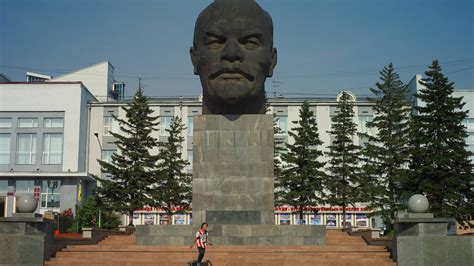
<point>424,241</point>
<point>233,235</point>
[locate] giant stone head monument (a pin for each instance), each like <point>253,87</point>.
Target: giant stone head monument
<point>233,188</point>
<point>233,54</point>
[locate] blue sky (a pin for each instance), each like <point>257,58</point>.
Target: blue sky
<point>323,46</point>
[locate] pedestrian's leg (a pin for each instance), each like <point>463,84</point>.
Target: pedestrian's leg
<point>201,255</point>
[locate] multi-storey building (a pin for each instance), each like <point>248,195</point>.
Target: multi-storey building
<point>286,112</point>
<point>44,125</point>
<point>52,132</point>
<point>43,143</point>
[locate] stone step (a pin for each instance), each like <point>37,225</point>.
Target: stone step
<point>217,253</point>
<point>233,261</point>
<point>137,248</point>
<point>314,262</point>
<point>340,249</point>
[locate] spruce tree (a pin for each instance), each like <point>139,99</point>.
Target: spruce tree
<point>131,167</point>
<point>343,182</point>
<point>440,166</point>
<point>278,150</point>
<point>171,187</point>
<point>300,183</point>
<point>386,154</point>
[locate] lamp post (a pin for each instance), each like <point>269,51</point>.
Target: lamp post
<point>96,134</point>
<point>53,184</point>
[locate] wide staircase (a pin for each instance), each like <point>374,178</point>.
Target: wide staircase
<point>340,249</point>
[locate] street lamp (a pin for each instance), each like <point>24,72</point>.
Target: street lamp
<point>96,134</point>
<point>52,184</point>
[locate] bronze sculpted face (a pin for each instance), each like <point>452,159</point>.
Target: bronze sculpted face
<point>233,54</point>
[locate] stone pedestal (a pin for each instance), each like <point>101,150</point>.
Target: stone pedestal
<point>233,234</point>
<point>233,188</point>
<point>233,169</point>
<point>423,240</point>
<point>25,240</point>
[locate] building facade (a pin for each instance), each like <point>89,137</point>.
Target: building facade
<point>286,111</point>
<point>53,131</point>
<point>43,144</point>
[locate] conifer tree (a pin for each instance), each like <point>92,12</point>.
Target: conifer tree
<point>343,182</point>
<point>278,149</point>
<point>130,168</point>
<point>440,166</point>
<point>300,182</point>
<point>386,154</point>
<point>171,189</point>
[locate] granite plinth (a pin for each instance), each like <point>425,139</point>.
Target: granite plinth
<point>229,235</point>
<point>424,241</point>
<point>233,169</point>
<point>25,240</point>
<point>233,188</point>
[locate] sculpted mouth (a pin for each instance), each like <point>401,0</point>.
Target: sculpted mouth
<point>231,74</point>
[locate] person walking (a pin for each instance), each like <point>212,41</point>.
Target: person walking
<point>202,240</point>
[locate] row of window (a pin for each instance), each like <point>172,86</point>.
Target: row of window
<point>282,123</point>
<point>165,124</point>
<point>26,146</point>
<point>111,125</point>
<point>32,122</point>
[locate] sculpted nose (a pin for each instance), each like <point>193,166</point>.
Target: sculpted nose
<point>232,53</point>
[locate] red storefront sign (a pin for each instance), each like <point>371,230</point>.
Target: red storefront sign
<point>283,209</point>
<point>37,192</point>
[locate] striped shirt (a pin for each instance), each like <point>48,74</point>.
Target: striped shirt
<point>201,237</point>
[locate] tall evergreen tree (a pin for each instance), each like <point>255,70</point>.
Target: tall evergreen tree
<point>301,178</point>
<point>171,189</point>
<point>343,182</point>
<point>440,163</point>
<point>278,149</point>
<point>131,167</point>
<point>386,154</point>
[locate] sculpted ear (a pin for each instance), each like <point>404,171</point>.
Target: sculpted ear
<point>193,54</point>
<point>274,60</point>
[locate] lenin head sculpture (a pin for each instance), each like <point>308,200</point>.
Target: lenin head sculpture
<point>233,54</point>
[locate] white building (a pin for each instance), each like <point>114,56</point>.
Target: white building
<point>43,143</point>
<point>53,131</point>
<point>44,125</point>
<point>286,111</point>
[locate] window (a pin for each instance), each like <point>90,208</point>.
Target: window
<point>24,186</point>
<point>165,123</point>
<point>50,193</point>
<point>27,122</point>
<point>56,122</point>
<point>26,149</point>
<point>190,125</point>
<point>3,186</point>
<point>52,148</point>
<point>469,123</point>
<point>5,148</point>
<point>362,123</point>
<point>5,122</point>
<point>470,138</point>
<point>110,125</point>
<point>190,159</point>
<point>282,123</point>
<point>107,155</point>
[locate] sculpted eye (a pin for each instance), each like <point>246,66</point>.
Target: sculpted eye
<point>250,42</point>
<point>213,41</point>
